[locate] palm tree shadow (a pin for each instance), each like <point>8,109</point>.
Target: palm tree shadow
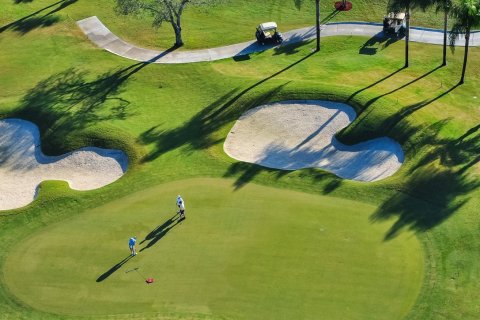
<point>159,232</point>
<point>374,84</point>
<point>330,16</point>
<point>69,101</point>
<point>404,85</point>
<point>376,42</point>
<point>197,132</point>
<point>33,21</point>
<point>439,181</point>
<point>110,271</point>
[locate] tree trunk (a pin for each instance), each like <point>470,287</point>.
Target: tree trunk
<point>445,24</point>
<point>317,4</point>
<point>177,25</point>
<point>178,35</point>
<point>465,57</point>
<point>407,34</point>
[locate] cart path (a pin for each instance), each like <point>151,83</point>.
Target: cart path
<point>97,32</point>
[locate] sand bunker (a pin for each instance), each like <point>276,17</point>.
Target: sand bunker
<point>23,166</point>
<point>293,135</point>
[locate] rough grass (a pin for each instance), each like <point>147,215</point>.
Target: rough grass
<point>173,119</point>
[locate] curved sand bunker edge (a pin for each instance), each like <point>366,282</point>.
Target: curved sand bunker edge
<point>303,136</point>
<point>23,166</point>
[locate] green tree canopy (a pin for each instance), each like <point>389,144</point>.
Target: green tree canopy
<point>162,11</point>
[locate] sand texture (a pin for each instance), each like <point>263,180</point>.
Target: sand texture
<point>300,134</point>
<point>23,166</point>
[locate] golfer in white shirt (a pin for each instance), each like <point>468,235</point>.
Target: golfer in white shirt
<point>181,207</point>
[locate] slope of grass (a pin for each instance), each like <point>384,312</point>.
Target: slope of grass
<point>173,120</point>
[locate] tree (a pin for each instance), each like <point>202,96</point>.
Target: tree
<point>445,6</point>
<point>466,16</point>
<point>317,19</point>
<point>396,6</point>
<point>298,5</point>
<point>440,5</point>
<point>162,11</point>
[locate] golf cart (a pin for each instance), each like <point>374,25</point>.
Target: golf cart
<point>267,32</point>
<point>394,24</point>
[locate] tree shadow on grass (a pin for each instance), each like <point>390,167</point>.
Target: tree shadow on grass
<point>290,48</point>
<point>371,101</point>
<point>388,125</point>
<point>379,41</point>
<point>353,95</point>
<point>113,269</point>
<point>73,100</point>
<point>390,122</point>
<point>375,99</point>
<point>330,16</point>
<point>435,186</point>
<point>35,20</point>
<point>438,183</point>
<point>246,172</point>
<point>198,132</point>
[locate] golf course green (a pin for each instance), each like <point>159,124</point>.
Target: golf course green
<point>262,252</point>
<point>258,243</point>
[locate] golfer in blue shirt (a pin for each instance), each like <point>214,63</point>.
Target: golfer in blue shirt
<point>131,245</point>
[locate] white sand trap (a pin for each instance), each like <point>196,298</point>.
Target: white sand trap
<point>293,135</point>
<point>23,166</point>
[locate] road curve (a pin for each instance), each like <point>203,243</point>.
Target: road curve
<point>98,33</point>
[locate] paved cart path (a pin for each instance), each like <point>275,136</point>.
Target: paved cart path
<point>104,38</point>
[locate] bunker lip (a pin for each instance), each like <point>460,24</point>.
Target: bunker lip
<point>297,134</point>
<point>23,166</point>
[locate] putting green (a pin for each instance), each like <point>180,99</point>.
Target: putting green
<point>253,253</point>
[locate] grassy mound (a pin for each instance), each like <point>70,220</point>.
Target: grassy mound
<point>255,253</point>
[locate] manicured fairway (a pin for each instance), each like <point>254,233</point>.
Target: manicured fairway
<point>254,253</point>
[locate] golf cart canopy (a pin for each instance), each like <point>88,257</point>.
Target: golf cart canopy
<point>395,23</point>
<point>268,32</point>
<point>267,26</point>
<point>395,15</point>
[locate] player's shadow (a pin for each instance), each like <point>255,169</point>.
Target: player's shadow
<point>113,269</point>
<point>159,232</point>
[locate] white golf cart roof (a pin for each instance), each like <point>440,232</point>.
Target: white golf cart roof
<point>396,15</point>
<point>267,26</point>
